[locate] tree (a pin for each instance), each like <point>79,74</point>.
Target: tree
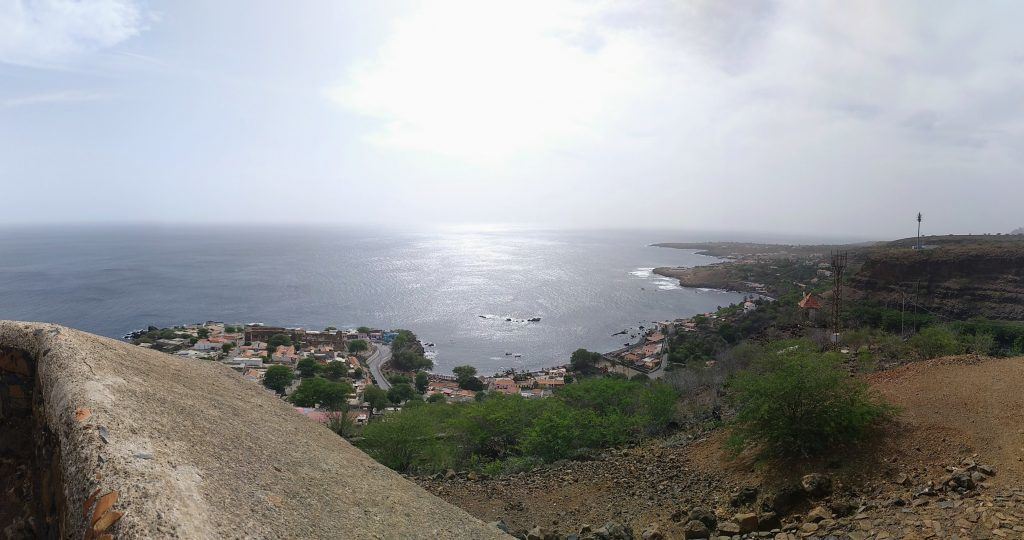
<point>357,345</point>
<point>422,381</point>
<point>278,339</point>
<point>376,397</point>
<point>400,392</point>
<point>335,370</point>
<point>407,352</point>
<point>203,333</point>
<point>315,390</point>
<point>467,379</point>
<point>277,378</point>
<point>436,398</point>
<point>584,361</point>
<point>226,348</point>
<point>341,423</point>
<point>307,367</point>
<point>364,330</point>
<point>357,373</point>
<point>800,404</point>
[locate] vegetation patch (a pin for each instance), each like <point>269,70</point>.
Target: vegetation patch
<point>505,432</point>
<point>796,401</point>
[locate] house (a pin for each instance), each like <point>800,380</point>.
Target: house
<point>650,349</point>
<point>504,385</point>
<point>550,382</point>
<point>655,337</point>
<point>285,354</point>
<point>206,345</point>
<point>810,305</point>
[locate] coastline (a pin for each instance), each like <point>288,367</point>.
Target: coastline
<point>718,276</point>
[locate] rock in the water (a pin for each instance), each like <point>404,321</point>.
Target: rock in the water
<point>816,484</point>
<point>696,529</point>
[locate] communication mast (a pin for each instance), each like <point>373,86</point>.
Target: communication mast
<point>838,269</point>
<point>919,230</point>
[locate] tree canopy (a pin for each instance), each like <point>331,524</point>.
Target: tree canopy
<point>277,378</point>
<point>314,391</point>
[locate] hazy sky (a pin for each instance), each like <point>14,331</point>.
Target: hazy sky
<point>814,117</point>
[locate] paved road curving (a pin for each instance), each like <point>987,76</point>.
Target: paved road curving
<point>375,361</point>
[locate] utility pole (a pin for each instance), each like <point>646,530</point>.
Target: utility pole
<point>838,268</point>
<point>919,230</point>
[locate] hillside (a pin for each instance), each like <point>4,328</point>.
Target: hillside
<point>956,276</point>
<point>959,415</point>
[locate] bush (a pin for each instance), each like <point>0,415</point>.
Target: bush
<point>801,403</point>
<point>981,343</point>
<point>595,413</point>
<point>936,341</point>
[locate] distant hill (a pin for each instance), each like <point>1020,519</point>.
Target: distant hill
<point>956,276</point>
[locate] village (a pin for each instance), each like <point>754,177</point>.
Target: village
<point>360,359</point>
<point>362,355</point>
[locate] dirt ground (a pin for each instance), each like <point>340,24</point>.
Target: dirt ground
<point>950,409</point>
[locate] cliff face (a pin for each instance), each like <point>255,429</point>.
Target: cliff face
<point>141,444</point>
<point>958,281</point>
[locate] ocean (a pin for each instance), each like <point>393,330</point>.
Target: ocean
<point>455,289</point>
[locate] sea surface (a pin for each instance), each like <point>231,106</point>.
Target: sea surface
<point>453,288</point>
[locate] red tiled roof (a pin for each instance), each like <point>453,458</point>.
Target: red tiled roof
<point>810,302</point>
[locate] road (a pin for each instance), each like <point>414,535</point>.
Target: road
<point>375,361</point>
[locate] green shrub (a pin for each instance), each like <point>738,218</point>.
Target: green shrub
<point>936,341</point>
<point>594,413</point>
<point>801,403</point>
<point>980,343</point>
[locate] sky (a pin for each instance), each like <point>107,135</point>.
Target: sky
<point>797,117</point>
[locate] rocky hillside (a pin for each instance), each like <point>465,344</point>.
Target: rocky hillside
<point>958,277</point>
<point>948,466</point>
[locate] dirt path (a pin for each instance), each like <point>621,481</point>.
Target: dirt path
<point>960,405</point>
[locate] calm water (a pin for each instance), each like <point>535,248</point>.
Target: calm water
<point>584,286</point>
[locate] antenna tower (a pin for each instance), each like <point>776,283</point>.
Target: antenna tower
<point>919,230</point>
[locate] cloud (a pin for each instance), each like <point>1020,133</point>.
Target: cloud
<point>48,32</point>
<point>67,96</point>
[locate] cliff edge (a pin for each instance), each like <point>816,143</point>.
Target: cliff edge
<point>109,438</point>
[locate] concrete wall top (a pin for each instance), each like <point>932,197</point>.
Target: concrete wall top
<point>196,451</point>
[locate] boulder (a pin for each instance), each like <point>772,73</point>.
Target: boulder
<point>500,524</point>
<point>767,521</point>
<point>962,482</point>
<point>747,522</point>
<point>818,513</point>
<point>782,501</point>
<point>744,496</point>
<point>816,485</point>
<point>842,508</point>
<point>696,529</point>
<point>729,528</point>
<point>987,470</point>
<point>704,516</point>
<point>652,533</point>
